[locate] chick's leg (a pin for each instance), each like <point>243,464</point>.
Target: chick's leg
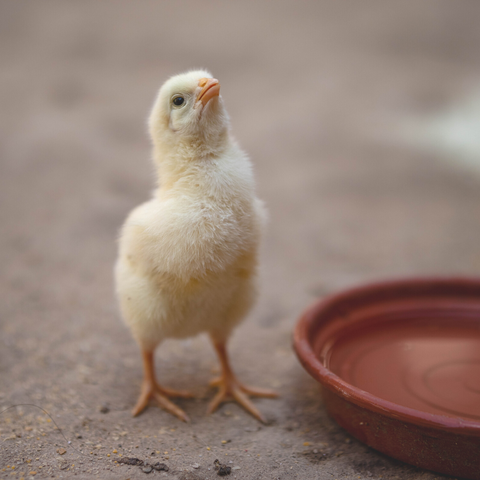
<point>151,389</point>
<point>230,387</point>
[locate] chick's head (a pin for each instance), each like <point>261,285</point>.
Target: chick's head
<point>189,109</point>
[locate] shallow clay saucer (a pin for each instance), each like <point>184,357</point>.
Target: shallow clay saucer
<point>399,363</point>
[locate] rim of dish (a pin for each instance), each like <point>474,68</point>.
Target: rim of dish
<point>349,392</point>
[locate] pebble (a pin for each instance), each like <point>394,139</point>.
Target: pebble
<point>195,465</point>
<point>147,469</point>
<point>130,461</point>
<point>222,469</point>
<point>61,451</point>
<point>160,466</point>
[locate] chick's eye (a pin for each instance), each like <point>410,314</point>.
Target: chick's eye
<point>178,101</point>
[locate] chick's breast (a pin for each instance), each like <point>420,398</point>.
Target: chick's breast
<point>187,264</point>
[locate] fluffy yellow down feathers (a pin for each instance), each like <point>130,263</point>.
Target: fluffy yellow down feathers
<point>188,257</point>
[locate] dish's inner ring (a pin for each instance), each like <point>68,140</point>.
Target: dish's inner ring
<point>425,357</point>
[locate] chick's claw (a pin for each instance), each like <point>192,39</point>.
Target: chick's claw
<point>215,382</point>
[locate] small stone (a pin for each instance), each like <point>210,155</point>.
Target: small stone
<point>130,461</point>
<point>147,469</point>
<point>61,451</point>
<point>104,408</point>
<point>221,469</point>
<point>160,467</point>
<point>236,468</point>
<point>195,465</point>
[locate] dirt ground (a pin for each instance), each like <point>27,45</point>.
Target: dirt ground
<point>317,93</point>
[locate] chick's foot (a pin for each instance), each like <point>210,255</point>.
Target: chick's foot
<point>231,388</point>
<point>151,389</point>
<point>160,394</point>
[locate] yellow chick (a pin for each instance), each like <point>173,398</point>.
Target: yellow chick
<point>187,258</point>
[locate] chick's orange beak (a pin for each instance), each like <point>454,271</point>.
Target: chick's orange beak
<point>210,89</point>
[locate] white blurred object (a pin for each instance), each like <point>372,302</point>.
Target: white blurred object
<point>454,132</point>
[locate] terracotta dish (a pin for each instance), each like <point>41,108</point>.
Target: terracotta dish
<point>399,363</point>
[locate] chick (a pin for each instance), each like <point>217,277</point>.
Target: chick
<point>187,259</point>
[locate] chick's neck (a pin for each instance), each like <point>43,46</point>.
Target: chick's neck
<point>188,157</point>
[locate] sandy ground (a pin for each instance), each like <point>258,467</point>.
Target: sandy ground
<point>317,92</point>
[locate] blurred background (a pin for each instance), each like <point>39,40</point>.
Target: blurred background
<point>363,123</point>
